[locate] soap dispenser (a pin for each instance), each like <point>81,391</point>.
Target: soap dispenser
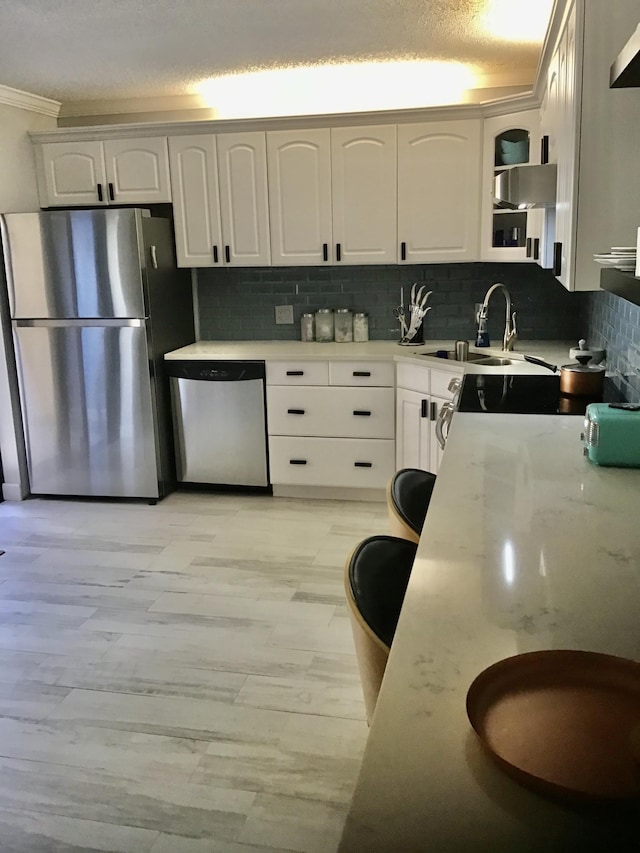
<point>482,335</point>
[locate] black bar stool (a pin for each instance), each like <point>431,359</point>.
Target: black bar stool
<point>408,496</point>
<point>376,577</point>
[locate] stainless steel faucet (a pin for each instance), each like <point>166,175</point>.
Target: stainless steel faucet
<point>510,331</point>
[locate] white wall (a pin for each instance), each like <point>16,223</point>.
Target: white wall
<point>18,194</point>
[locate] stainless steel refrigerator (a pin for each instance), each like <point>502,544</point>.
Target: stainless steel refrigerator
<point>95,301</point>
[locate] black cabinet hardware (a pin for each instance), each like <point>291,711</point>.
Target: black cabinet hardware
<point>433,411</point>
<point>111,193</point>
<point>338,252</point>
<point>529,246</point>
<point>536,248</point>
<point>362,373</point>
<point>423,408</point>
<point>295,372</point>
<point>325,252</point>
<point>99,192</point>
<point>227,254</point>
<point>215,254</point>
<point>403,251</point>
<point>557,258</point>
<point>362,465</point>
<point>297,462</point>
<point>295,411</point>
<point>544,150</point>
<point>362,413</point>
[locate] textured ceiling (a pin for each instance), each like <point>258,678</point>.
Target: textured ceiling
<point>73,50</point>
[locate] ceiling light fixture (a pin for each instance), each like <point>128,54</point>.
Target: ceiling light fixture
<point>516,20</point>
<point>339,88</point>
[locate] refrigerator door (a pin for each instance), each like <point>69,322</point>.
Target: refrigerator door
<point>87,407</point>
<point>74,264</point>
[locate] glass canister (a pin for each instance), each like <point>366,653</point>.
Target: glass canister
<point>343,331</point>
<point>306,327</point>
<point>324,325</point>
<point>360,327</point>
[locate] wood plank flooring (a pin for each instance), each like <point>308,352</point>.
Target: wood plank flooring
<point>178,678</point>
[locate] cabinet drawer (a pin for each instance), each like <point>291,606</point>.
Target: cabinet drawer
<point>440,382</point>
<point>373,373</point>
<point>340,462</point>
<point>331,411</point>
<point>413,377</point>
<point>297,372</point>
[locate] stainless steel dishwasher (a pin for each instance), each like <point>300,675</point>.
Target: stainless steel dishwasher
<point>219,422</point>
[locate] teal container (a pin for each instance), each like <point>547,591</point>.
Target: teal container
<point>612,434</point>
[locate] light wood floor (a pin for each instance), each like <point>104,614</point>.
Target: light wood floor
<point>178,678</point>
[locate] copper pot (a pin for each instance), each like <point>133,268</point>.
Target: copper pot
<point>578,379</point>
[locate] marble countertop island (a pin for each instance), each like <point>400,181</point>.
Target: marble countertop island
<point>526,546</point>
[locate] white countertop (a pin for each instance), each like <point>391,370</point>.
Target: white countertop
<point>556,352</point>
<point>526,546</point>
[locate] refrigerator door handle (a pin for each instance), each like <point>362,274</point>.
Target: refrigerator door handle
<point>135,323</point>
<point>154,257</point>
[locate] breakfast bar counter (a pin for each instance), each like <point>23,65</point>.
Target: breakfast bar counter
<point>527,546</point>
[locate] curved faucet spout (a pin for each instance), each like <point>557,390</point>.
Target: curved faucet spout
<point>510,332</point>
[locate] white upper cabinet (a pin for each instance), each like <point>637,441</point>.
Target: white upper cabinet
<point>439,191</point>
<point>299,167</point>
<point>196,204</point>
<point>137,170</point>
<point>509,140</point>
<point>242,174</point>
<point>364,194</point>
<point>74,174</point>
<point>117,171</point>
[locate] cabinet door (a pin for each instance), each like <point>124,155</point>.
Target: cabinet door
<point>242,172</point>
<point>196,206</point>
<point>439,191</point>
<point>299,169</point>
<point>74,174</point>
<point>504,231</point>
<point>567,139</point>
<point>413,430</point>
<point>364,190</point>
<point>137,170</point>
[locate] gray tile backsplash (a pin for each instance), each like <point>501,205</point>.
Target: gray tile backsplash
<point>614,323</point>
<point>238,304</point>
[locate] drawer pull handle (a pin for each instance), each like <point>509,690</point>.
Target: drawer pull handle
<point>295,411</point>
<point>362,373</point>
<point>215,254</point>
<point>536,248</point>
<point>557,258</point>
<point>403,251</point>
<point>362,413</point>
<point>100,197</point>
<point>423,409</point>
<point>297,462</point>
<point>529,247</point>
<point>111,193</point>
<point>325,252</point>
<point>227,254</point>
<point>363,465</point>
<point>338,252</point>
<point>295,372</point>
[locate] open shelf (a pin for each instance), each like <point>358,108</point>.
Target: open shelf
<point>624,284</point>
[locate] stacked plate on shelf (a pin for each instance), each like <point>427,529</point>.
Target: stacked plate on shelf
<point>620,258</point>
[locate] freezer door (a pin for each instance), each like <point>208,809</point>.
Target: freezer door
<point>74,264</point>
<point>219,430</point>
<point>87,408</point>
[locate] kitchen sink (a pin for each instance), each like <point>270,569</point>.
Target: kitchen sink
<point>449,355</point>
<point>491,361</point>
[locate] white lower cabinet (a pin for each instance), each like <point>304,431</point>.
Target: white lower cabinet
<point>421,392</point>
<point>331,424</point>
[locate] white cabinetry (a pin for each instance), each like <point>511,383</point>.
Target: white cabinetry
<point>594,132</point>
<point>420,393</point>
<point>364,191</point>
<point>196,201</point>
<point>331,424</point>
<point>509,140</point>
<point>116,171</point>
<point>299,166</point>
<point>439,191</point>
<point>220,199</point>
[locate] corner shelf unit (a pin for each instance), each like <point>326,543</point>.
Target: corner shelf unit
<point>622,283</point>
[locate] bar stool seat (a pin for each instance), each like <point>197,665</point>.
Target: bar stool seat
<point>376,576</point>
<point>408,496</point>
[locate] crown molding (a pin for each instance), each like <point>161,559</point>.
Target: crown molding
<point>28,101</point>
